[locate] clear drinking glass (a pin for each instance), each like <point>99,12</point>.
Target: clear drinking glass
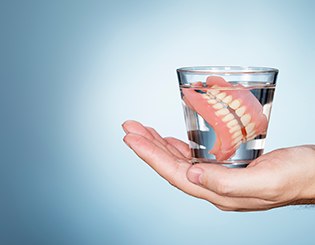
<point>227,111</point>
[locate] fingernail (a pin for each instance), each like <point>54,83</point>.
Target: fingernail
<point>123,127</point>
<point>194,174</point>
<point>125,140</point>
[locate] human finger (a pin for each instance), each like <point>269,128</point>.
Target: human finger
<point>164,142</point>
<point>174,171</point>
<point>233,182</point>
<point>150,133</point>
<point>169,167</point>
<point>160,160</point>
<point>135,127</point>
<point>180,145</point>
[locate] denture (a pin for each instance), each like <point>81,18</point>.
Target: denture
<point>232,111</point>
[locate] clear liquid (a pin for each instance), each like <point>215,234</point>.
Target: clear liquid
<point>202,136</point>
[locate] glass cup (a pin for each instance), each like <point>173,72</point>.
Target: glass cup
<point>227,111</point>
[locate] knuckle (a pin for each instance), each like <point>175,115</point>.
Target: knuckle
<point>151,130</point>
<point>137,139</point>
<point>174,176</point>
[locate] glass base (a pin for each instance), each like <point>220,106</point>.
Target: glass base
<point>227,163</point>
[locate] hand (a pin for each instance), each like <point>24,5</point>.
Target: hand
<point>281,177</point>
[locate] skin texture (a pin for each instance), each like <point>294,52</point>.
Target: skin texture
<point>281,177</point>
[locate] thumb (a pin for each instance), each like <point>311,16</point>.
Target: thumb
<point>195,175</point>
<point>225,181</point>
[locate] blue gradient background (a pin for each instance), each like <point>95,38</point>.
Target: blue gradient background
<point>73,71</point>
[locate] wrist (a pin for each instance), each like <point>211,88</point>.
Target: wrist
<point>308,188</point>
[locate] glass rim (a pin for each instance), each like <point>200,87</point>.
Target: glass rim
<point>227,70</point>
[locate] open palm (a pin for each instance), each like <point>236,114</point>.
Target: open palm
<point>274,179</point>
